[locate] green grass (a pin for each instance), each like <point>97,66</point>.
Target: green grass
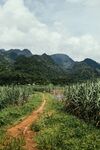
<point>13,114</point>
<point>57,130</point>
<point>13,143</point>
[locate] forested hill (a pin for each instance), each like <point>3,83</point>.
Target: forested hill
<point>21,66</point>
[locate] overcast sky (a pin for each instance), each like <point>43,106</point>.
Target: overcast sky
<point>52,26</point>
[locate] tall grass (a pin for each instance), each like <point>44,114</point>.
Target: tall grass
<point>18,94</point>
<point>83,100</point>
<point>14,95</point>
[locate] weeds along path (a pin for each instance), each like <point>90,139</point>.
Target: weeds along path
<point>23,128</point>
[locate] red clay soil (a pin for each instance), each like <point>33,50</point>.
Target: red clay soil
<point>23,128</point>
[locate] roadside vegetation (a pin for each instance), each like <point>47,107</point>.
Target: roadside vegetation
<point>69,123</point>
<point>58,130</point>
<point>83,101</point>
<point>12,115</point>
<point>17,102</point>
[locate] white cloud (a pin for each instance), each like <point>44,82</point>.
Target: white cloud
<point>93,3</point>
<point>21,28</point>
<point>86,2</point>
<point>74,1</point>
<point>84,46</point>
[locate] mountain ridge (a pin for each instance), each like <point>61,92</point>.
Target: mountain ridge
<point>28,53</point>
<point>23,67</point>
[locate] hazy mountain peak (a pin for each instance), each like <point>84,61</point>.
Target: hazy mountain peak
<point>12,54</point>
<point>63,60</point>
<point>26,52</point>
<point>44,54</point>
<point>92,63</point>
<point>2,50</point>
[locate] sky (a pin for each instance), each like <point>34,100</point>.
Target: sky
<point>71,27</point>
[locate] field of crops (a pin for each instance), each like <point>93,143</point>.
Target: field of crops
<point>83,100</point>
<point>18,101</point>
<point>18,94</point>
<point>14,95</point>
<point>56,129</point>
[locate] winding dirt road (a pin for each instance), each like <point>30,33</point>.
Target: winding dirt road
<point>23,128</point>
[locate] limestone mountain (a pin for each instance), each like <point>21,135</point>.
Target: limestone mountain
<point>64,61</point>
<point>12,54</point>
<point>21,66</point>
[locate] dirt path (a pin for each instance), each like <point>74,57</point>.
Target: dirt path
<point>23,128</point>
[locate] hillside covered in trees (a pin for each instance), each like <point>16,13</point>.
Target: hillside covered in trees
<point>21,67</point>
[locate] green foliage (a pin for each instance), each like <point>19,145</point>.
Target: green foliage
<point>15,69</point>
<point>83,100</point>
<point>13,114</point>
<point>14,95</point>
<point>17,95</point>
<point>35,127</point>
<point>59,131</point>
